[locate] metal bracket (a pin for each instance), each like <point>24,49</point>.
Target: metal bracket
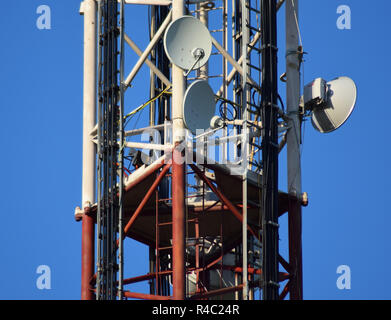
<point>198,53</point>
<point>273,224</point>
<point>266,46</point>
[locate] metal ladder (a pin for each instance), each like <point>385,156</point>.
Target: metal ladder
<point>108,126</point>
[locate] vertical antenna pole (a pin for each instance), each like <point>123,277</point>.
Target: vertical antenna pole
<point>89,153</point>
<point>244,148</point>
<point>152,108</point>
<point>293,147</point>
<point>178,172</point>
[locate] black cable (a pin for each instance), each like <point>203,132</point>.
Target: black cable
<point>223,110</point>
<point>269,110</point>
<point>108,150</point>
<point>282,103</point>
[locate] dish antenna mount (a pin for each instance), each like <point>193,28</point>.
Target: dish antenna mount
<point>331,103</point>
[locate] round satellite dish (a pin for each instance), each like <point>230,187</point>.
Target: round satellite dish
<point>186,40</point>
<point>341,95</point>
<point>198,106</point>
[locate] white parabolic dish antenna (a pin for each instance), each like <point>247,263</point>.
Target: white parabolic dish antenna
<point>184,39</point>
<point>198,106</point>
<point>341,99</point>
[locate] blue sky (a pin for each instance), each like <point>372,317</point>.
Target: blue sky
<point>346,173</point>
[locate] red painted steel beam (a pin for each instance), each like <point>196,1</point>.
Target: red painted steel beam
<point>146,199</point>
<point>146,277</point>
<point>178,224</point>
<point>285,291</point>
<point>282,276</point>
<point>284,263</point>
<point>143,296</point>
<point>87,255</point>
<point>222,197</point>
<point>216,208</point>
<point>295,249</point>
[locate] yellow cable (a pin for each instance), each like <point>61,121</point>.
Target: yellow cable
<point>147,103</point>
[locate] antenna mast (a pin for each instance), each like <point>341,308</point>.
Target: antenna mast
<point>108,148</point>
<point>293,147</point>
<point>270,151</point>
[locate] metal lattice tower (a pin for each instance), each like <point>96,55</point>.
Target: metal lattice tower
<point>206,238</point>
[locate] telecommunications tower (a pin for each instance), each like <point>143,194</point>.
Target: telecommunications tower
<point>196,180</point>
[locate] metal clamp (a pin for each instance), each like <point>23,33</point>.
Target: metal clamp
<point>198,53</point>
<point>273,224</point>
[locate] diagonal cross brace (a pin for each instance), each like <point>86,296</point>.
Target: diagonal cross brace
<point>222,197</point>
<point>146,198</point>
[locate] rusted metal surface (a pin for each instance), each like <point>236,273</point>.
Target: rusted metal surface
<point>295,249</point>
<point>178,226</point>
<point>144,296</point>
<point>87,255</point>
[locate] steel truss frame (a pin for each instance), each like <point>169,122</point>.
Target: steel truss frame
<point>108,212</point>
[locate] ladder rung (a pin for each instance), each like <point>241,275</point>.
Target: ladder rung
<point>164,224</point>
<point>254,67</point>
<point>237,36</point>
<point>253,203</point>
<point>216,76</point>
<point>164,248</point>
<point>252,28</point>
<point>254,164</point>
<point>255,48</point>
<point>164,200</point>
<point>254,226</point>
<point>253,9</point>
<point>255,145</point>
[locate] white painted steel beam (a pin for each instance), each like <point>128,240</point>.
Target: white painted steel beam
<point>149,146</point>
<point>293,98</point>
<point>88,8</point>
<point>148,62</point>
<point>148,50</point>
